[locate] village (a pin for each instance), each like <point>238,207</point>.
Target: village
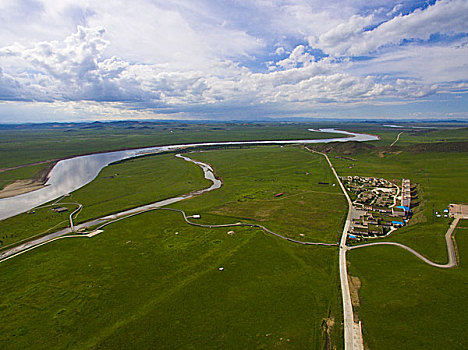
<point>379,206</point>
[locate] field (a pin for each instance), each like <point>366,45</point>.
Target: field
<point>252,178</point>
<point>120,186</point>
<point>406,304</point>
<point>141,285</point>
<point>152,281</point>
<point>28,145</point>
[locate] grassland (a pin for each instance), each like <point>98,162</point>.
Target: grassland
<point>252,177</point>
<point>141,285</point>
<point>119,186</point>
<point>23,146</point>
<point>406,304</point>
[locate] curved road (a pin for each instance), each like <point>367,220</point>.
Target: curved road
<point>452,259</point>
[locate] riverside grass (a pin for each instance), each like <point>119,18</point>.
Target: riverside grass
<point>139,284</point>
<point>118,187</point>
<point>30,145</point>
<point>395,284</point>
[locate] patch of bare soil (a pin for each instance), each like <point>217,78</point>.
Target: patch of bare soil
<point>28,185</point>
<point>327,326</point>
<point>19,187</point>
<point>354,286</point>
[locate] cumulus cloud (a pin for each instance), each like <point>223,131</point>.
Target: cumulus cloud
<point>352,38</point>
<point>158,56</point>
<point>76,69</point>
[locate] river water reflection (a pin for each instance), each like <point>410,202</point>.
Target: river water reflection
<point>70,174</point>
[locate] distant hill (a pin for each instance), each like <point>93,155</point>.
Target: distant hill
<point>344,148</point>
<point>438,147</point>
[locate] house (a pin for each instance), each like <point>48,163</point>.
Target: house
<point>398,211</point>
<point>458,210</point>
<point>60,209</point>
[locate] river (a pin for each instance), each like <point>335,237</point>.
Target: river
<point>71,174</point>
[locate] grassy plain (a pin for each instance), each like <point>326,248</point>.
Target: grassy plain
<point>406,304</point>
<point>252,177</point>
<point>139,181</point>
<point>23,146</point>
<point>138,285</point>
<point>141,285</point>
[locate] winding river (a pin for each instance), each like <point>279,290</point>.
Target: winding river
<point>71,174</point>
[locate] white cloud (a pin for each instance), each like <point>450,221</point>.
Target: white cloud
<point>351,38</point>
<point>155,55</point>
<point>434,64</point>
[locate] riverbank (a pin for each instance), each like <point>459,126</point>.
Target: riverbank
<point>73,173</point>
<point>22,186</point>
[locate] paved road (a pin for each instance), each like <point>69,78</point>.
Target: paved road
<point>452,259</point>
<point>352,334</point>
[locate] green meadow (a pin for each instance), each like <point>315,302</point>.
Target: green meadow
<point>121,186</point>
<point>253,176</point>
<point>28,145</point>
<point>152,281</point>
<point>406,304</point>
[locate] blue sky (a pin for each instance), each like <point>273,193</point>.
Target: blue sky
<point>74,60</point>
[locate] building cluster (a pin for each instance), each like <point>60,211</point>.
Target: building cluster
<point>371,191</point>
<point>406,193</point>
<point>376,210</point>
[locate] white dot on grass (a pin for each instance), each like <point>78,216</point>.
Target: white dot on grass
<point>221,268</point>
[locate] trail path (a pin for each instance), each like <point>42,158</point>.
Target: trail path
<point>396,140</point>
<point>109,219</point>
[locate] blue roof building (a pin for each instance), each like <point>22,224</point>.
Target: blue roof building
<point>398,223</point>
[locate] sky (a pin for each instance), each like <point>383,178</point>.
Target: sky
<point>72,60</point>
